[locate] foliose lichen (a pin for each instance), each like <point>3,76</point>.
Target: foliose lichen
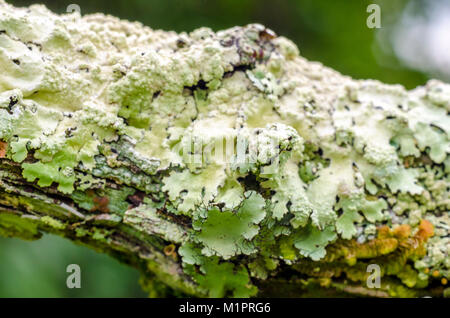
<point>232,146</point>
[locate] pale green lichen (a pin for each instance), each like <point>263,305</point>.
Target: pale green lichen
<point>229,233</point>
<point>271,158</point>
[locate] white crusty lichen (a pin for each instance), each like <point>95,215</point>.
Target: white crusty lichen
<point>270,157</point>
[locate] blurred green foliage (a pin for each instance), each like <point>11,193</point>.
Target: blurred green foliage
<point>38,269</point>
<point>332,32</point>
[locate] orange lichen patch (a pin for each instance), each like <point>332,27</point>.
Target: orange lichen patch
<point>426,230</point>
<point>444,281</point>
<point>169,250</point>
<point>100,204</point>
<point>3,148</point>
<point>426,270</point>
<point>402,232</point>
<point>392,249</point>
<point>435,273</point>
<point>383,232</point>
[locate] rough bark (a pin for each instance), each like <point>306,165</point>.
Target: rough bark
<point>106,131</point>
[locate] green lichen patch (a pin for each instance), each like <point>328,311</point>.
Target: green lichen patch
<point>218,279</point>
<point>228,144</point>
<point>228,233</point>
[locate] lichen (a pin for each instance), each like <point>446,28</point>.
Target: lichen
<point>230,145</point>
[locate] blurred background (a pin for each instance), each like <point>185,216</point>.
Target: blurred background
<point>412,46</point>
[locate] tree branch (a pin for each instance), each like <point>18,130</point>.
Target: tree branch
<point>220,164</point>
